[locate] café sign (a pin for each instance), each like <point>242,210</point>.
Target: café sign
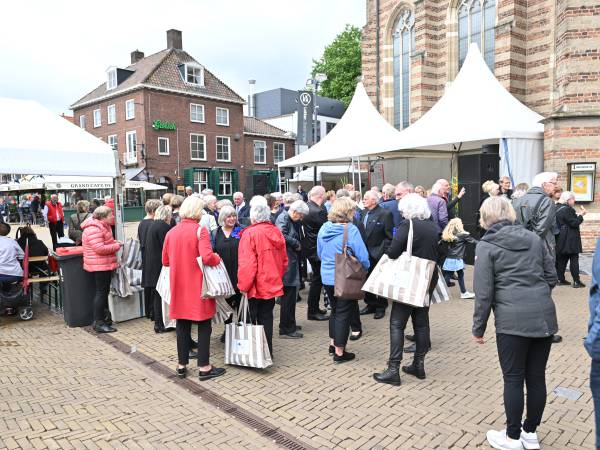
<point>78,186</point>
<point>160,125</point>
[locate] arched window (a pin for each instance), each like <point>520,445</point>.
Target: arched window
<point>404,45</point>
<point>476,20</point>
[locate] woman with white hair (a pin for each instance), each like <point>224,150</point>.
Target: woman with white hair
<point>207,219</point>
<point>514,276</point>
<point>262,263</point>
<point>183,245</point>
<point>426,236</point>
<point>568,243</point>
<point>287,222</point>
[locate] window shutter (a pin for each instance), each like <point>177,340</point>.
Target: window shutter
<point>213,181</point>
<point>188,177</point>
<point>273,181</point>
<point>235,182</point>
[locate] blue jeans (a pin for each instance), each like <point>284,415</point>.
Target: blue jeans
<point>595,386</point>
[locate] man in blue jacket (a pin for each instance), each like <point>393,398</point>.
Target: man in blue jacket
<point>389,202</point>
<point>592,341</point>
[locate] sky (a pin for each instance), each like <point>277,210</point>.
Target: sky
<point>56,51</point>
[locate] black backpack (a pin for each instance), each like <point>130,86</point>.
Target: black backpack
<point>528,222</point>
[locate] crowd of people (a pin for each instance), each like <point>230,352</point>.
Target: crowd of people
<point>271,244</point>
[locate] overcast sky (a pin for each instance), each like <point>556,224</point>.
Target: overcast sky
<point>57,51</point>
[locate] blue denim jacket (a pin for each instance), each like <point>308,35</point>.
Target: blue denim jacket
<point>592,341</point>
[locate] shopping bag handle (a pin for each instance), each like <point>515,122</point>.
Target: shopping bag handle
<point>244,308</point>
<point>409,244</point>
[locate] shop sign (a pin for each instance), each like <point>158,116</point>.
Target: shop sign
<point>79,186</point>
<point>160,125</point>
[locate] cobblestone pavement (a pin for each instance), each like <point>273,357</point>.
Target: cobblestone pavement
<point>63,387</point>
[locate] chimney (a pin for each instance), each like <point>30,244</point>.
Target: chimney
<point>251,99</point>
<point>136,55</point>
<point>174,39</point>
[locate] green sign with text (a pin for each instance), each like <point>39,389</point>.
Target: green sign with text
<point>160,125</point>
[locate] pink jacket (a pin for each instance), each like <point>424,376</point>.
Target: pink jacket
<point>99,247</point>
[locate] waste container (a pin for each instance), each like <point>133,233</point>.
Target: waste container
<point>76,286</point>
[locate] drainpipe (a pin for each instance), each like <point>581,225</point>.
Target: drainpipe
<point>377,53</point>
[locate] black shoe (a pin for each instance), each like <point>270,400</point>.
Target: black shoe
<point>410,337</point>
<point>355,337</point>
<point>181,372</point>
<point>564,283</point>
<point>193,344</point>
<point>104,328</point>
<point>159,329</point>
<point>222,338</point>
<point>193,355</point>
<point>417,368</point>
<point>391,375</point>
<point>379,314</point>
<point>413,348</point>
<point>331,350</point>
<point>367,310</point>
<point>557,338</point>
<point>292,335</point>
<point>214,372</point>
<point>578,284</point>
<point>319,317</point>
<point>298,327</point>
<point>346,356</point>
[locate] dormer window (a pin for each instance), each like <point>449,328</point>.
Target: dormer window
<point>192,73</point>
<point>111,81</point>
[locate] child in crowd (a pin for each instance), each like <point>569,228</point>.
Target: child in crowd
<point>456,237</point>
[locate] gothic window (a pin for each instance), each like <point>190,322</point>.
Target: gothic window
<point>476,19</point>
<point>404,45</point>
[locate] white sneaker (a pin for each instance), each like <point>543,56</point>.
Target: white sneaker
<point>467,294</point>
<point>499,440</point>
<point>530,440</point>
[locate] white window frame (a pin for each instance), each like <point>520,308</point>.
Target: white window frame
<point>223,184</point>
<point>204,140</point>
<point>110,108</point>
<point>193,67</point>
<point>82,121</point>
<point>113,137</point>
<point>130,154</point>
<point>201,107</point>
<point>167,141</point>
<point>111,81</point>
<point>217,116</point>
<point>228,149</point>
<point>97,118</point>
<point>130,114</point>
<point>282,149</point>
<point>201,184</point>
<point>254,151</point>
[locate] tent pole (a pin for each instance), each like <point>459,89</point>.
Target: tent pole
<point>352,163</point>
<point>359,177</point>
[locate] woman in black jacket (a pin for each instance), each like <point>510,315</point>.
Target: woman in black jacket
<point>426,238</point>
<point>36,248</point>
<point>568,242</point>
<point>155,239</point>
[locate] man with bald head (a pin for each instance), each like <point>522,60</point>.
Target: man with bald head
<point>378,224</point>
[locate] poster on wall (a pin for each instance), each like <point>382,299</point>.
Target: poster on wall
<point>581,181</point>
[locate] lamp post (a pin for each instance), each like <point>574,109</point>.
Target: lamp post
<point>314,82</point>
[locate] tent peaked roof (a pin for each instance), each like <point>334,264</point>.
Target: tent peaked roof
<point>360,129</point>
<point>475,109</point>
<point>57,147</point>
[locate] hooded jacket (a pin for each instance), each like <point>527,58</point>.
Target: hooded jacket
<point>99,247</point>
<point>262,261</point>
<point>329,243</point>
<point>514,276</point>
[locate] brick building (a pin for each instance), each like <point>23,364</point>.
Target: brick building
<point>544,52</point>
<point>175,123</point>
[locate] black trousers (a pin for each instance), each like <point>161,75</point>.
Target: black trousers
<point>56,230</point>
<point>102,281</point>
<point>287,316</point>
<point>523,361</point>
<point>149,302</point>
<point>374,301</point>
<point>234,302</point>
<point>184,341</point>
<point>261,313</point>
<point>157,307</point>
<point>314,293</point>
<point>561,266</point>
<point>398,319</point>
<point>339,319</point>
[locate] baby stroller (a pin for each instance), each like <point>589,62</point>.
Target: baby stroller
<point>13,298</point>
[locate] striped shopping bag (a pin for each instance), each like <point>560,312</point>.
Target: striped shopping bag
<point>441,293</point>
<point>245,343</point>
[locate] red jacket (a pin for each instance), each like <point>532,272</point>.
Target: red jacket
<point>180,251</point>
<point>52,211</point>
<point>262,261</point>
<point>110,203</point>
<point>99,247</point>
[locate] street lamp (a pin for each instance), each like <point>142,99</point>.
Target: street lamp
<point>314,82</point>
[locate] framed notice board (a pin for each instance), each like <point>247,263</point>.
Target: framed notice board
<point>582,181</point>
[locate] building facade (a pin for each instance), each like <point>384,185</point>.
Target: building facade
<point>545,53</point>
<point>173,122</point>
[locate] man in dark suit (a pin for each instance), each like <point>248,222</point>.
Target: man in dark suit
<point>242,209</point>
<point>312,223</point>
<point>379,226</point>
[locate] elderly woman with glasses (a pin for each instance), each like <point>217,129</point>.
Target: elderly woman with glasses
<point>514,276</point>
<point>288,222</point>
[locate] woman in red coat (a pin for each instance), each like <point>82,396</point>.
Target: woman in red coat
<point>262,262</point>
<point>183,244</point>
<point>100,257</point>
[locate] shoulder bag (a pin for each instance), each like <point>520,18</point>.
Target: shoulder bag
<point>350,275</point>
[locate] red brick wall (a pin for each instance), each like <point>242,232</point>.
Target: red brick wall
<point>270,165</point>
